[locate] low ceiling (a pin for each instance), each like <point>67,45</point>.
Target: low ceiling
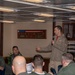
<point>26,11</point>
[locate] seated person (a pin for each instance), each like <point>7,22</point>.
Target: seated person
<point>68,67</point>
<point>19,65</point>
<point>15,53</point>
<point>2,66</point>
<point>38,63</point>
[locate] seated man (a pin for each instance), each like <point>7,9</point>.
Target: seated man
<point>19,65</point>
<point>15,53</point>
<point>38,63</point>
<point>68,67</point>
<point>2,66</point>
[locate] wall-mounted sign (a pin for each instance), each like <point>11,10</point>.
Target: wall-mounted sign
<point>31,34</point>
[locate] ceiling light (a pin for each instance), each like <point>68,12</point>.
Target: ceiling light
<point>5,9</point>
<point>73,7</point>
<point>38,20</point>
<point>44,14</point>
<point>38,1</point>
<point>34,1</point>
<point>72,18</point>
<point>6,21</point>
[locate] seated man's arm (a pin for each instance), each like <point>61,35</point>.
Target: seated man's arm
<point>2,63</point>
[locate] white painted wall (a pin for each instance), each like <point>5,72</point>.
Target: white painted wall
<point>26,46</point>
<point>58,22</point>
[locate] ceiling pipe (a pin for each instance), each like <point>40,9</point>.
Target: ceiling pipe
<point>40,5</point>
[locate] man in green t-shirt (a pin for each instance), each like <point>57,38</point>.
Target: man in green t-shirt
<point>68,65</point>
<point>38,63</point>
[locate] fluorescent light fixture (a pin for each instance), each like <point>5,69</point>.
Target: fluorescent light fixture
<point>44,14</point>
<point>71,7</point>
<point>34,1</point>
<point>38,20</point>
<point>6,21</point>
<point>72,18</point>
<point>5,9</point>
